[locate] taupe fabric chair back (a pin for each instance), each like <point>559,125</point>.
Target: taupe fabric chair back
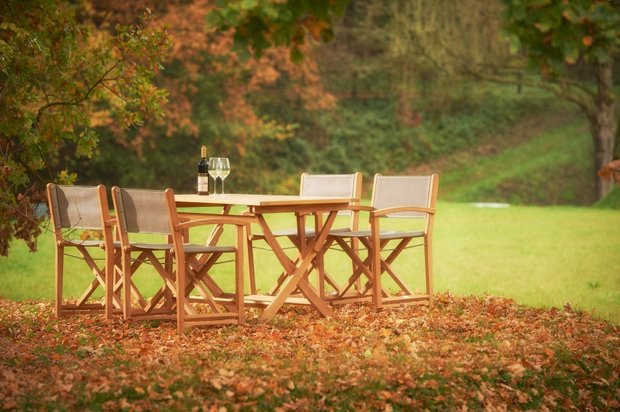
<point>75,207</point>
<point>327,185</point>
<point>336,185</point>
<point>141,211</point>
<point>395,191</point>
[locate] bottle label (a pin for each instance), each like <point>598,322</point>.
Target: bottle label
<point>203,184</point>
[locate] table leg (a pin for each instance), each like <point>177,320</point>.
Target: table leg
<point>297,274</point>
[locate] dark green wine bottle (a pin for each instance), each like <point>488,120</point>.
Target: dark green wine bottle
<point>203,172</point>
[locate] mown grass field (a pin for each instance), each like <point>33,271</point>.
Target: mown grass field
<point>540,256</point>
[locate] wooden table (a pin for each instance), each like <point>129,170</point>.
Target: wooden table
<point>297,270</point>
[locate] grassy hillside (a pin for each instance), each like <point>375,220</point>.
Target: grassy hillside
<point>545,158</point>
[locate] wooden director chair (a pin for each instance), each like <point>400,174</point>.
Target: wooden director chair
<point>334,185</point>
<point>186,267</point>
<point>83,208</point>
<point>393,197</point>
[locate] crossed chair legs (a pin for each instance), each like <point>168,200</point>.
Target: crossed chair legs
<point>372,289</point>
<point>166,302</point>
<point>119,268</point>
<point>112,303</point>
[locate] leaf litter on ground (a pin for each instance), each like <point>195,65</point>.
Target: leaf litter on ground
<point>466,353</point>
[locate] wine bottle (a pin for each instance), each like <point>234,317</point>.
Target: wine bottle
<point>203,172</point>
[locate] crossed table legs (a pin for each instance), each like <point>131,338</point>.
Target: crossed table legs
<point>297,271</point>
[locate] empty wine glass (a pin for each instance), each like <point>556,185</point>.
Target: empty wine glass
<point>215,170</point>
<point>224,170</point>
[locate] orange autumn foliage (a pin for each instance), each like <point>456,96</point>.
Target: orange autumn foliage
<point>201,50</point>
<point>611,171</point>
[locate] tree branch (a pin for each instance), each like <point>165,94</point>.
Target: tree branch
<point>580,96</point>
<point>76,102</point>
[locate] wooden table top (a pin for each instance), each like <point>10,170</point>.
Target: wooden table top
<point>235,199</point>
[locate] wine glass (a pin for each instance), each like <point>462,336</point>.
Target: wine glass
<point>224,170</point>
<point>215,170</point>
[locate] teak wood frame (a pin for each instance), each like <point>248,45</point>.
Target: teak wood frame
<point>296,269</point>
<point>352,189</point>
<point>186,266</point>
<point>375,242</point>
<point>82,207</point>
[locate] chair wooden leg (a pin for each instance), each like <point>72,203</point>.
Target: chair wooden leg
<point>251,271</point>
<point>168,295</point>
<point>109,283</point>
<point>239,275</point>
<point>355,247</point>
<point>180,295</point>
<point>60,254</point>
<point>118,280</point>
<point>376,266</point>
<point>428,265</point>
<point>126,264</point>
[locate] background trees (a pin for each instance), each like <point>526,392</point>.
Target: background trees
<point>560,35</point>
<point>397,88</point>
<point>58,80</point>
<point>244,108</point>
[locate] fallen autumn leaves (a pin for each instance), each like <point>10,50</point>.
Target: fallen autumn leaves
<point>465,353</point>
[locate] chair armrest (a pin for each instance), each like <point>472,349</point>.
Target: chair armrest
<point>185,216</point>
<point>217,220</point>
<point>360,208</point>
<point>390,210</point>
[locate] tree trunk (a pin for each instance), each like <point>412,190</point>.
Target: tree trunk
<point>603,125</point>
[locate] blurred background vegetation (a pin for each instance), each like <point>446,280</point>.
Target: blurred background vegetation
<point>373,99</point>
<point>125,93</point>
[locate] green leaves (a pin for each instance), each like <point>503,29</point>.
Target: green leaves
<point>261,24</point>
<point>57,77</point>
<point>544,26</point>
<point>558,32</point>
<point>248,4</point>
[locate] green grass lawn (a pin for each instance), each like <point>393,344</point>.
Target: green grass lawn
<point>540,256</point>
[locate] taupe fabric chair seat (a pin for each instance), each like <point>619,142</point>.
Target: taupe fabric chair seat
<point>151,246</point>
<point>192,248</point>
<point>384,234</point>
<point>85,243</point>
<point>187,247</point>
<point>92,243</point>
